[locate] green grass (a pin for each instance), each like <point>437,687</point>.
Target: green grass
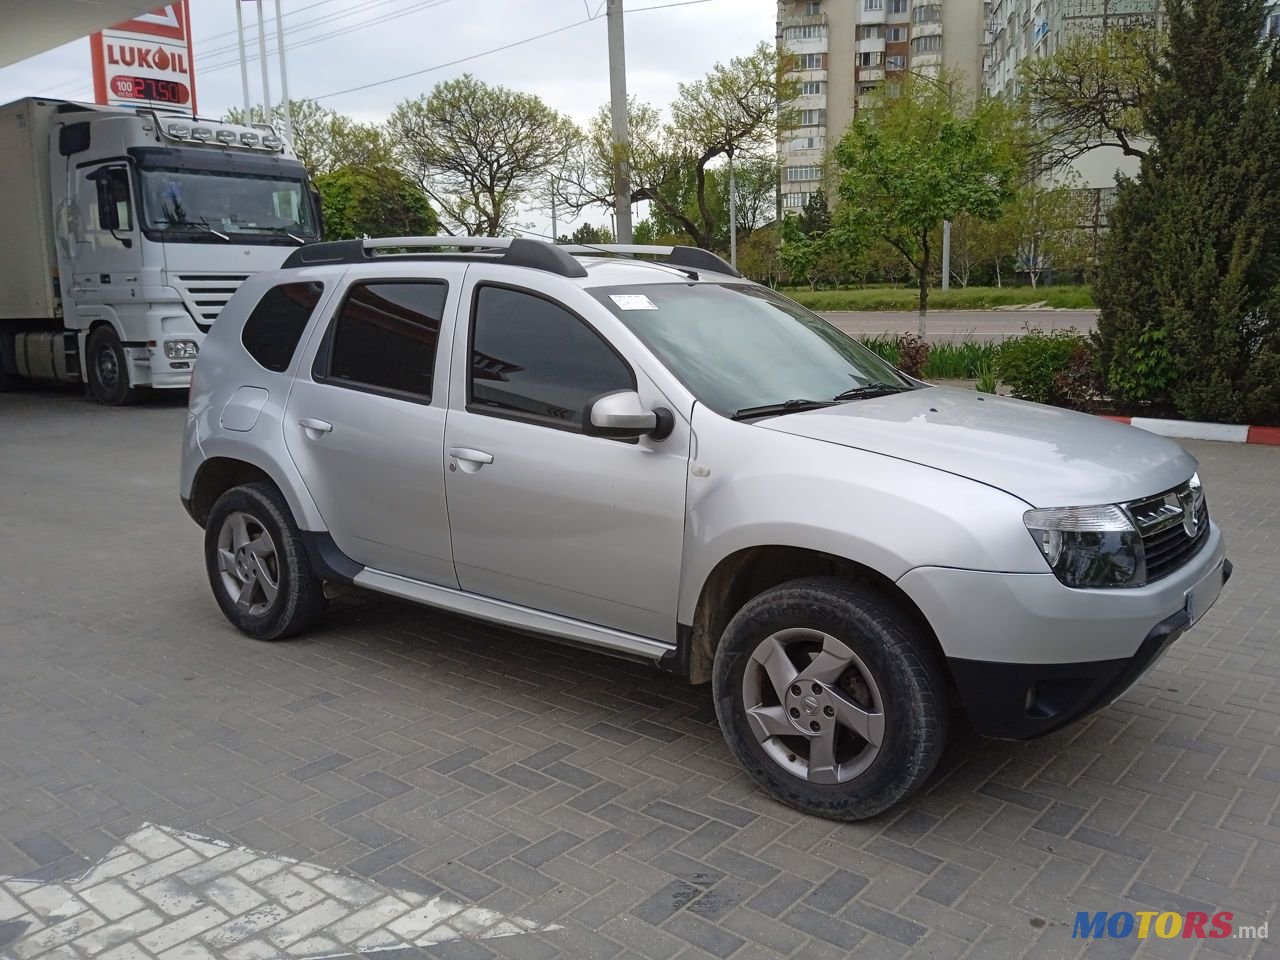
<point>957,298</point>
<point>963,360</point>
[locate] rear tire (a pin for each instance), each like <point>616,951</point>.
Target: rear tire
<point>258,565</point>
<point>830,698</point>
<point>108,370</point>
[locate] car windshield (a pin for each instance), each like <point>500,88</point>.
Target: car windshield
<point>739,347</point>
<point>239,204</point>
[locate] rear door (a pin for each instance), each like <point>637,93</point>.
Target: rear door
<point>365,419</point>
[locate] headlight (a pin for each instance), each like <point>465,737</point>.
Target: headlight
<point>181,349</point>
<point>1089,546</point>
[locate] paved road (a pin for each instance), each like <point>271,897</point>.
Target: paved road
<point>458,764</point>
<point>961,324</point>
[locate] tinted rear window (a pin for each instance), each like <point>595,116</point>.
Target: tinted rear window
<point>273,330</point>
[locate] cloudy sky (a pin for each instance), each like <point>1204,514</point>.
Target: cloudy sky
<point>334,45</point>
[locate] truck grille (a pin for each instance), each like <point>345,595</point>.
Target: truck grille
<point>207,293</point>
<point>1168,540</point>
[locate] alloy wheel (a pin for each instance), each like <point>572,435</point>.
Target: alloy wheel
<point>248,563</point>
<point>813,706</point>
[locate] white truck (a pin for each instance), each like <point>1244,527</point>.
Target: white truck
<point>125,232</point>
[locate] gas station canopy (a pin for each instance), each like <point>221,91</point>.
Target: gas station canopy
<point>34,26</point>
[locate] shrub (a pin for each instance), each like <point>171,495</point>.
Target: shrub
<point>1047,367</point>
<point>913,355</point>
<point>987,377</point>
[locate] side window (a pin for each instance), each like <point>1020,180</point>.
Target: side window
<point>384,338</point>
<point>273,330</point>
<point>533,359</point>
<point>115,212</point>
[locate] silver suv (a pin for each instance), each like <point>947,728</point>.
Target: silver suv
<point>636,450</point>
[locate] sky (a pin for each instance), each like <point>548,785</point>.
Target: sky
<point>334,45</point>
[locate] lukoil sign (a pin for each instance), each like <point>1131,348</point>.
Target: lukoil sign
<point>147,61</point>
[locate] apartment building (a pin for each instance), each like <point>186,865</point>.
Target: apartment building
<point>844,50</point>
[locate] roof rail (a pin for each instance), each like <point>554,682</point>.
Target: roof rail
<point>691,257</point>
<point>518,252</point>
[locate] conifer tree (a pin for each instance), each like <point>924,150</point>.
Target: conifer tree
<point>1189,284</point>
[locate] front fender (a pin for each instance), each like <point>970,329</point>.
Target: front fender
<point>750,487</point>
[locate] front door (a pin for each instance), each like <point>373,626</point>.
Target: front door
<point>365,423</point>
<point>540,514</point>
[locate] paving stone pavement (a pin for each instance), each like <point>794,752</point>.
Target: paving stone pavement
<point>448,760</point>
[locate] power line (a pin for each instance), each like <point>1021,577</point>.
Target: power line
<point>340,32</point>
<point>485,53</point>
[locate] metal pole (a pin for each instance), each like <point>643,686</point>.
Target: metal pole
<point>555,222</point>
<point>284,75</point>
<point>733,213</point>
<point>244,63</point>
<point>621,125</point>
<point>262,55</point>
<point>946,254</point>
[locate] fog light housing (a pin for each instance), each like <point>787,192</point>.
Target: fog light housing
<point>181,349</point>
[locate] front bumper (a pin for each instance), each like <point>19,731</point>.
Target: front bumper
<point>1020,701</point>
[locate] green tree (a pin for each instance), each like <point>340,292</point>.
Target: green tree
<point>1044,225</point>
<point>679,166</point>
<point>481,151</point>
<point>758,256</point>
<point>1089,93</point>
<point>323,139</point>
<point>375,201</point>
<point>589,234</point>
<point>911,161</point>
<point>1189,283</point>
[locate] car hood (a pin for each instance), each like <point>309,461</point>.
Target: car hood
<point>1047,456</point>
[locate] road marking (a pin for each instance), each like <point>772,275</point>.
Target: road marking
<point>173,895</point>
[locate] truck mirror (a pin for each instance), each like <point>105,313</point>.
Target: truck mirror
<point>73,138</point>
<point>108,213</point>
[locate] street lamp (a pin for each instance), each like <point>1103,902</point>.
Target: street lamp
<point>949,88</point>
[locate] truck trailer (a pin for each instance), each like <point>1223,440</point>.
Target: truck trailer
<point>125,233</point>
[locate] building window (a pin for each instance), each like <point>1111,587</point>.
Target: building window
<point>812,8</point>
<point>926,44</point>
<point>810,61</point>
<point>897,6</point>
<point>896,62</point>
<point>893,89</point>
<point>808,31</point>
<point>803,174</point>
<point>795,201</point>
<point>1272,28</point>
<point>813,118</point>
<point>871,31</point>
<point>811,88</point>
<point>929,14</point>
<point>872,4</point>
<point>896,35</point>
<point>871,59</point>
<point>867,89</point>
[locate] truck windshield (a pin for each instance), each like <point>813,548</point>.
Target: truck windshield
<point>245,206</point>
<point>740,348</point>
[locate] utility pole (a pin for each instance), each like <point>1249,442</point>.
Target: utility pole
<point>555,220</point>
<point>244,63</point>
<point>284,75</point>
<point>733,212</point>
<point>262,56</point>
<point>946,254</point>
<point>621,124</point>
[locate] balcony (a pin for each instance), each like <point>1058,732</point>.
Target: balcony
<point>871,74</point>
<point>926,29</point>
<point>870,45</point>
<point>800,20</point>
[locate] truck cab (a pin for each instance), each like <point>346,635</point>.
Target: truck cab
<point>150,224</point>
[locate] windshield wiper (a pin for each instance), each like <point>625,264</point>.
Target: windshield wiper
<point>196,225</point>
<point>869,391</point>
<point>786,406</point>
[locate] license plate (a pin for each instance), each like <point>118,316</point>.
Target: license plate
<point>1201,597</point>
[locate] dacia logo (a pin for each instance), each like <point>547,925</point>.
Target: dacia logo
<point>1190,518</point>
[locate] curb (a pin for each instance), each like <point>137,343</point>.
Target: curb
<point>1191,430</point>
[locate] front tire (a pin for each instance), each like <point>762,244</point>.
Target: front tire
<point>258,566</point>
<point>830,698</point>
<point>108,370</point>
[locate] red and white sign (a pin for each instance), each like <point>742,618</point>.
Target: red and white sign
<point>147,61</point>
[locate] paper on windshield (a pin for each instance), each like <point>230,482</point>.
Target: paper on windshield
<point>631,301</point>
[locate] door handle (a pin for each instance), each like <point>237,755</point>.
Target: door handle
<point>478,457</point>
<point>313,426</point>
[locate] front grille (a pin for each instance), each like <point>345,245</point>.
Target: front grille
<point>207,293</point>
<point>1165,540</point>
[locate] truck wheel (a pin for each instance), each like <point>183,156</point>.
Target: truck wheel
<point>108,369</point>
<point>829,698</point>
<point>257,564</point>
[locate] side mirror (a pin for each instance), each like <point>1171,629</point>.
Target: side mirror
<point>108,213</point>
<point>621,416</point>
